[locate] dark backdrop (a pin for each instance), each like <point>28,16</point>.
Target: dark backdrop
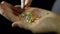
<point>5,25</point>
<point>45,4</point>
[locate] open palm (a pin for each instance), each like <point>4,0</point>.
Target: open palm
<point>48,21</point>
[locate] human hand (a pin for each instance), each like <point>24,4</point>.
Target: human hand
<point>9,11</point>
<point>49,21</point>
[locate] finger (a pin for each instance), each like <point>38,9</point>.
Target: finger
<point>21,24</point>
<point>27,3</point>
<point>8,13</point>
<point>15,11</point>
<point>5,3</point>
<point>16,24</point>
<point>1,10</point>
<point>17,6</point>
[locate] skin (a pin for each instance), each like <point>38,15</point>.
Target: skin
<point>48,22</point>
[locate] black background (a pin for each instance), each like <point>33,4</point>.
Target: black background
<point>5,25</point>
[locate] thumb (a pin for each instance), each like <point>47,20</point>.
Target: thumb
<point>21,24</point>
<point>16,24</point>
